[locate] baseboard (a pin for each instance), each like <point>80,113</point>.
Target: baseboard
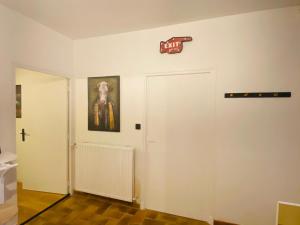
<point>217,222</point>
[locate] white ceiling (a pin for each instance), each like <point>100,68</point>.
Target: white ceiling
<point>87,18</point>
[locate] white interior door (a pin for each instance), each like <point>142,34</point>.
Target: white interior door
<point>181,145</point>
<point>42,157</point>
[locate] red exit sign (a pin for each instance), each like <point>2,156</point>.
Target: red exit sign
<point>173,45</point>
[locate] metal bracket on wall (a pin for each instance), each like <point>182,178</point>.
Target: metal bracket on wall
<point>259,95</point>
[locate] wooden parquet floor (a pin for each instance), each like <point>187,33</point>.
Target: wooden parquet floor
<point>85,209</point>
<point>32,202</point>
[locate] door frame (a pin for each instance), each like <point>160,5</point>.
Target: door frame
<point>145,150</point>
<point>69,140</point>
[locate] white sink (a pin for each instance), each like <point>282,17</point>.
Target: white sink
<point>7,157</point>
<point>7,162</point>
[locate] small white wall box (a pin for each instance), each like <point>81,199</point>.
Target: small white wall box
<point>288,213</point>
<point>7,162</point>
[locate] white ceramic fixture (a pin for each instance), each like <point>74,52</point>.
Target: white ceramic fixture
<point>7,162</point>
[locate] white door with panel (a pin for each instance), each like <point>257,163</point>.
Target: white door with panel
<point>42,155</point>
<point>180,143</point>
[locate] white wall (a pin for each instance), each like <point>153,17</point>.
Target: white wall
<point>258,155</point>
<point>258,144</point>
<point>26,43</point>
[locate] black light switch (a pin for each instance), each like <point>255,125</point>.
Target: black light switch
<point>138,126</point>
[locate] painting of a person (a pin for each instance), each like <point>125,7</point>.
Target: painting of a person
<point>104,108</point>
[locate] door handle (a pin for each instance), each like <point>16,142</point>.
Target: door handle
<point>23,133</point>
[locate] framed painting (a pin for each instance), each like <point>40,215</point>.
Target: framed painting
<point>104,104</point>
<point>18,101</point>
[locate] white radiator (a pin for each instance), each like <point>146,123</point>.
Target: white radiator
<point>105,170</point>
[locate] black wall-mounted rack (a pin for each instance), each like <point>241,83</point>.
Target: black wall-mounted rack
<point>259,95</point>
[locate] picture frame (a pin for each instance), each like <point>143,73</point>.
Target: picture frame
<point>104,103</point>
<point>18,101</point>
